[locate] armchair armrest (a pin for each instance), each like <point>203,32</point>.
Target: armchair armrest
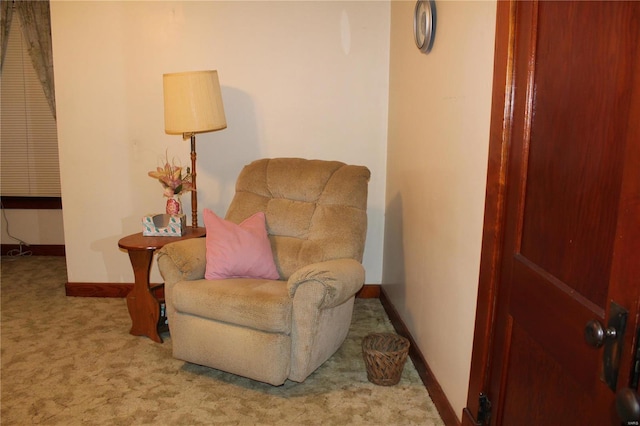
<point>182,260</point>
<point>341,279</point>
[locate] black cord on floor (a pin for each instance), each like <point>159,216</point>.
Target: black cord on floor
<point>20,251</point>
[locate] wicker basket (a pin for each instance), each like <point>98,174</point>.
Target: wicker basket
<point>384,356</point>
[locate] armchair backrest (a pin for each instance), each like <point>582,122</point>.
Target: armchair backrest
<point>315,210</point>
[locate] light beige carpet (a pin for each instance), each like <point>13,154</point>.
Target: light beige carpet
<point>71,361</point>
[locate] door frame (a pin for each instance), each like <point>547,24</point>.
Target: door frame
<point>495,206</point>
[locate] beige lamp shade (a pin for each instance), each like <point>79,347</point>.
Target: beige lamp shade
<point>193,103</point>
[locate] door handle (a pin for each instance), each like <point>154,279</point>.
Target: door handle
<point>595,334</point>
<point>628,405</point>
<point>627,399</point>
<point>612,338</point>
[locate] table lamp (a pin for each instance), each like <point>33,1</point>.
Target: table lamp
<point>193,104</point>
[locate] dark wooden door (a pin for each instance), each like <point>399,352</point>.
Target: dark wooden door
<point>566,246</point>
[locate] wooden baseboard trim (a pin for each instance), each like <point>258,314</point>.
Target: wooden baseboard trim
<point>369,291</point>
<point>97,289</point>
<point>438,396</point>
<point>32,249</point>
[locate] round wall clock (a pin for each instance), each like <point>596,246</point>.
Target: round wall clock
<point>424,24</point>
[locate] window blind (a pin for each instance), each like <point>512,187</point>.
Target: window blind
<point>29,163</point>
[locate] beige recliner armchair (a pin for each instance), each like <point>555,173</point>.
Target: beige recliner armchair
<point>274,330</point>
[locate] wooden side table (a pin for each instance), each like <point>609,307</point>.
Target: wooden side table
<point>144,306</point>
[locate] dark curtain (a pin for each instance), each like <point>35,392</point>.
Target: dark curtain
<point>6,12</point>
<point>35,17</point>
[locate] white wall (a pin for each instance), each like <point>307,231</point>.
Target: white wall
<point>439,110</point>
<point>32,226</point>
<point>304,79</point>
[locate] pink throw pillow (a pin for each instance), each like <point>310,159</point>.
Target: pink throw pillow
<point>238,251</point>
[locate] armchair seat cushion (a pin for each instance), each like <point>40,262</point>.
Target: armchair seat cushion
<point>260,304</point>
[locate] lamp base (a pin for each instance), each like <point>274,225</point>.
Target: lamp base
<point>194,194</point>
